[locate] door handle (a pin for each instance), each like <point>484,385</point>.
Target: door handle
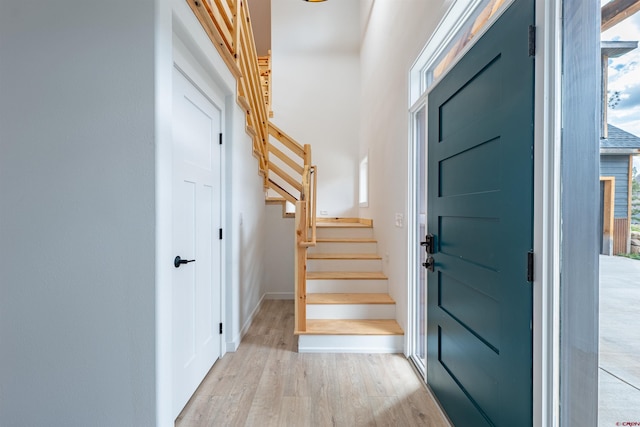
<point>429,242</point>
<point>429,264</point>
<point>179,261</point>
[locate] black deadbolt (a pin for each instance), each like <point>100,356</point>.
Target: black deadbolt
<point>430,264</point>
<point>430,243</point>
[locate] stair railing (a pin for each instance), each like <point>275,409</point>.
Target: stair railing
<point>284,164</point>
<point>305,237</point>
<point>228,25</point>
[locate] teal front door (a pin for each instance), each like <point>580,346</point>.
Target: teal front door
<point>480,211</point>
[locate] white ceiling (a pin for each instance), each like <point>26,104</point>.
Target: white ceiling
<point>300,27</point>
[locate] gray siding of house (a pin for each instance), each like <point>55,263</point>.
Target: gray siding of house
<point>618,167</point>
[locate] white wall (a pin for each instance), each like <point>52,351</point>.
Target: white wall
<point>316,93</point>
<point>316,100</point>
<point>395,33</point>
<point>280,254</point>
<point>247,238</point>
<point>77,209</point>
<point>85,211</point>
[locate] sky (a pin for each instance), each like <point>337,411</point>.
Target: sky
<point>624,76</point>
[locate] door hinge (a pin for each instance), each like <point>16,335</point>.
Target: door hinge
<point>220,328</point>
<point>532,40</point>
<point>220,233</point>
<point>530,266</point>
<point>220,139</point>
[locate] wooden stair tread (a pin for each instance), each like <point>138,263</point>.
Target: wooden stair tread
<point>345,275</point>
<point>343,256</point>
<point>341,225</point>
<point>349,299</point>
<point>275,200</point>
<point>352,327</point>
<point>345,240</point>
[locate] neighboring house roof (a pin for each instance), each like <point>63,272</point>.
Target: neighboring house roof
<point>619,142</point>
<point>617,48</point>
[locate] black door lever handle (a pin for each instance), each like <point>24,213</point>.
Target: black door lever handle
<point>179,261</point>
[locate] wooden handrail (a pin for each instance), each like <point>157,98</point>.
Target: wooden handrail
<point>313,211</point>
<point>309,185</point>
<point>264,63</point>
<point>286,159</point>
<point>210,26</point>
<point>286,177</point>
<point>300,269</point>
<point>286,140</point>
<point>281,191</point>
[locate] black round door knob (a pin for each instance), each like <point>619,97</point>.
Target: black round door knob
<point>177,262</point>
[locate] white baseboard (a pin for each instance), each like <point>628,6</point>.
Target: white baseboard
<point>233,345</point>
<point>278,295</point>
<point>351,344</point>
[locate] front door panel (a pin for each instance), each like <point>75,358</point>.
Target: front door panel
<point>480,198</point>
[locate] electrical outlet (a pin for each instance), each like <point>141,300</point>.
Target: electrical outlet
<point>399,220</point>
<point>324,213</point>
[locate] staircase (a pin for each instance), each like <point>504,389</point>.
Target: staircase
<point>348,307</point>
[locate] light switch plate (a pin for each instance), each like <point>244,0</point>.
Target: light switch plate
<point>399,220</point>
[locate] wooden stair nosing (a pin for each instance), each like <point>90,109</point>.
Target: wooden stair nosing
<point>345,275</point>
<point>320,224</point>
<point>349,298</point>
<point>338,220</point>
<point>275,200</point>
<point>343,256</point>
<point>352,327</point>
<point>345,240</point>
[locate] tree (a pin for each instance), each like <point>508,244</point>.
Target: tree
<point>614,99</point>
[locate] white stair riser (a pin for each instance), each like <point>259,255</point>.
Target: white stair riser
<point>351,311</point>
<point>337,286</point>
<point>351,343</point>
<point>343,248</point>
<point>344,232</point>
<point>364,265</point>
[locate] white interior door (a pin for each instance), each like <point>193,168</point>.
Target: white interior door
<point>196,223</point>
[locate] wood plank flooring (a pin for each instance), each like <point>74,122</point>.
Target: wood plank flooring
<point>267,383</point>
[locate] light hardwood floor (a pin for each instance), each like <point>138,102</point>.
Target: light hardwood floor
<point>267,383</point>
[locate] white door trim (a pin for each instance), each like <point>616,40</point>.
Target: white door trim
<point>547,175</point>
